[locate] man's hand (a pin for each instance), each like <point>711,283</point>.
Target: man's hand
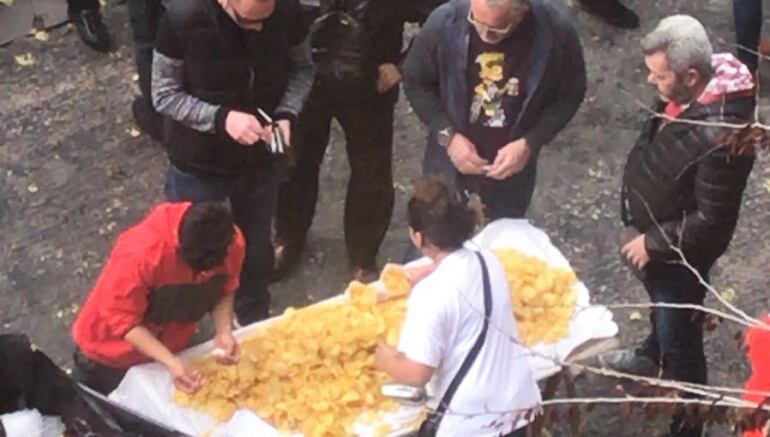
<point>388,77</point>
<point>636,252</point>
<point>511,159</point>
<point>284,126</point>
<point>184,379</point>
<point>226,343</point>
<point>464,155</point>
<point>245,128</point>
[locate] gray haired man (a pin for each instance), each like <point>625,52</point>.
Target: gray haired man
<point>682,190</point>
<point>495,81</point>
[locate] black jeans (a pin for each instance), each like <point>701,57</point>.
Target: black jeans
<point>748,25</point>
<point>676,339</point>
<point>368,127</point>
<point>75,6</point>
<point>103,379</point>
<point>252,197</point>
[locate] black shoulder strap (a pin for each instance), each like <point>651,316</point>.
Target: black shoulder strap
<point>474,352</point>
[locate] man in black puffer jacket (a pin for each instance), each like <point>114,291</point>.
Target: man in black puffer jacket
<point>682,188</point>
<point>216,65</point>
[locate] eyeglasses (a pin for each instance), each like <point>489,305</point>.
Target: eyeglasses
<point>495,33</point>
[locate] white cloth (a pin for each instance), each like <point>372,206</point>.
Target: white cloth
<point>444,318</point>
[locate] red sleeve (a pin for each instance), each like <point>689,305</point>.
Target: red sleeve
<point>235,262</point>
<point>122,294</point>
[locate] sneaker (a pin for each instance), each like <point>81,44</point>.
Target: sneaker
<point>91,29</point>
<point>612,11</point>
<point>629,361</point>
<point>149,121</point>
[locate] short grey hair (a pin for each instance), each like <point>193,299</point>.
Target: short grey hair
<point>685,43</point>
<point>518,4</point>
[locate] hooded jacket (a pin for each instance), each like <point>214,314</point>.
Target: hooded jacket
<point>146,283</point>
<point>683,183</point>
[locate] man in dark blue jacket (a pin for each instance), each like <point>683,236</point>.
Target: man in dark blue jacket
<point>495,81</point>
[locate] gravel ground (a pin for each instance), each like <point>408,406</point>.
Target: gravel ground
<point>73,174</point>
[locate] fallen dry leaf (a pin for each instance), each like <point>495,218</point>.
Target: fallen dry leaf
<point>33,188</point>
<point>133,132</point>
<point>728,295</point>
<point>26,59</point>
<point>635,315</point>
<point>41,35</point>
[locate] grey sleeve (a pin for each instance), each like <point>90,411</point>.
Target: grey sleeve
<point>170,98</point>
<point>422,76</point>
<point>301,76</point>
<point>571,91</point>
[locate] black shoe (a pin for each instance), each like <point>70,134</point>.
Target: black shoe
<point>91,29</point>
<point>147,118</point>
<point>613,12</point>
<point>629,361</point>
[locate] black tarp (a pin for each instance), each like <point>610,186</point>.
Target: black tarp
<point>30,380</point>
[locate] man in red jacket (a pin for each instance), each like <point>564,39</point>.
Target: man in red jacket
<point>181,262</point>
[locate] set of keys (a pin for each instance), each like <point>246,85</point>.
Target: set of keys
<point>278,144</point>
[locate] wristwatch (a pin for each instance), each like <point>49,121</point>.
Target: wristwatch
<point>445,136</point>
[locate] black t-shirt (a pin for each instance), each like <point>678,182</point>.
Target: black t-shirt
<point>496,81</point>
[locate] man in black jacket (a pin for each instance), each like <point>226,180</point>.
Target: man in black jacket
<point>215,66</point>
<point>494,81</point>
<point>364,108</point>
<point>682,190</point>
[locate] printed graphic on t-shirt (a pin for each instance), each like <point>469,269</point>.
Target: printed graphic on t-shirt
<point>487,106</point>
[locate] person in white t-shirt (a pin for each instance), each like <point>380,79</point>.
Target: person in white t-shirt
<point>445,317</point>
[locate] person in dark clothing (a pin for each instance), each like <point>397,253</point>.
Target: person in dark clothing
<point>164,274</point>
<point>87,18</point>
<point>494,81</point>
<point>144,16</point>
<point>365,111</point>
<point>682,190</point>
<point>613,12</point>
<point>748,27</point>
<point>215,66</point>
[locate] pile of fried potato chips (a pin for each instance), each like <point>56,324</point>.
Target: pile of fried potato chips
<point>543,297</point>
<point>313,369</point>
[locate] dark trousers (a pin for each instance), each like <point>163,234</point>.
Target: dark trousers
<point>368,127</point>
<point>103,379</point>
<point>252,197</point>
<point>508,198</point>
<point>748,25</point>
<point>676,339</point>
<point>75,6</point>
<point>144,16</point>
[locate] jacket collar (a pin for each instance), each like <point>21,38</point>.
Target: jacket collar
<point>538,58</point>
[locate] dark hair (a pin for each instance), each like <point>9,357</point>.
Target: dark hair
<point>205,235</point>
<point>437,212</point>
